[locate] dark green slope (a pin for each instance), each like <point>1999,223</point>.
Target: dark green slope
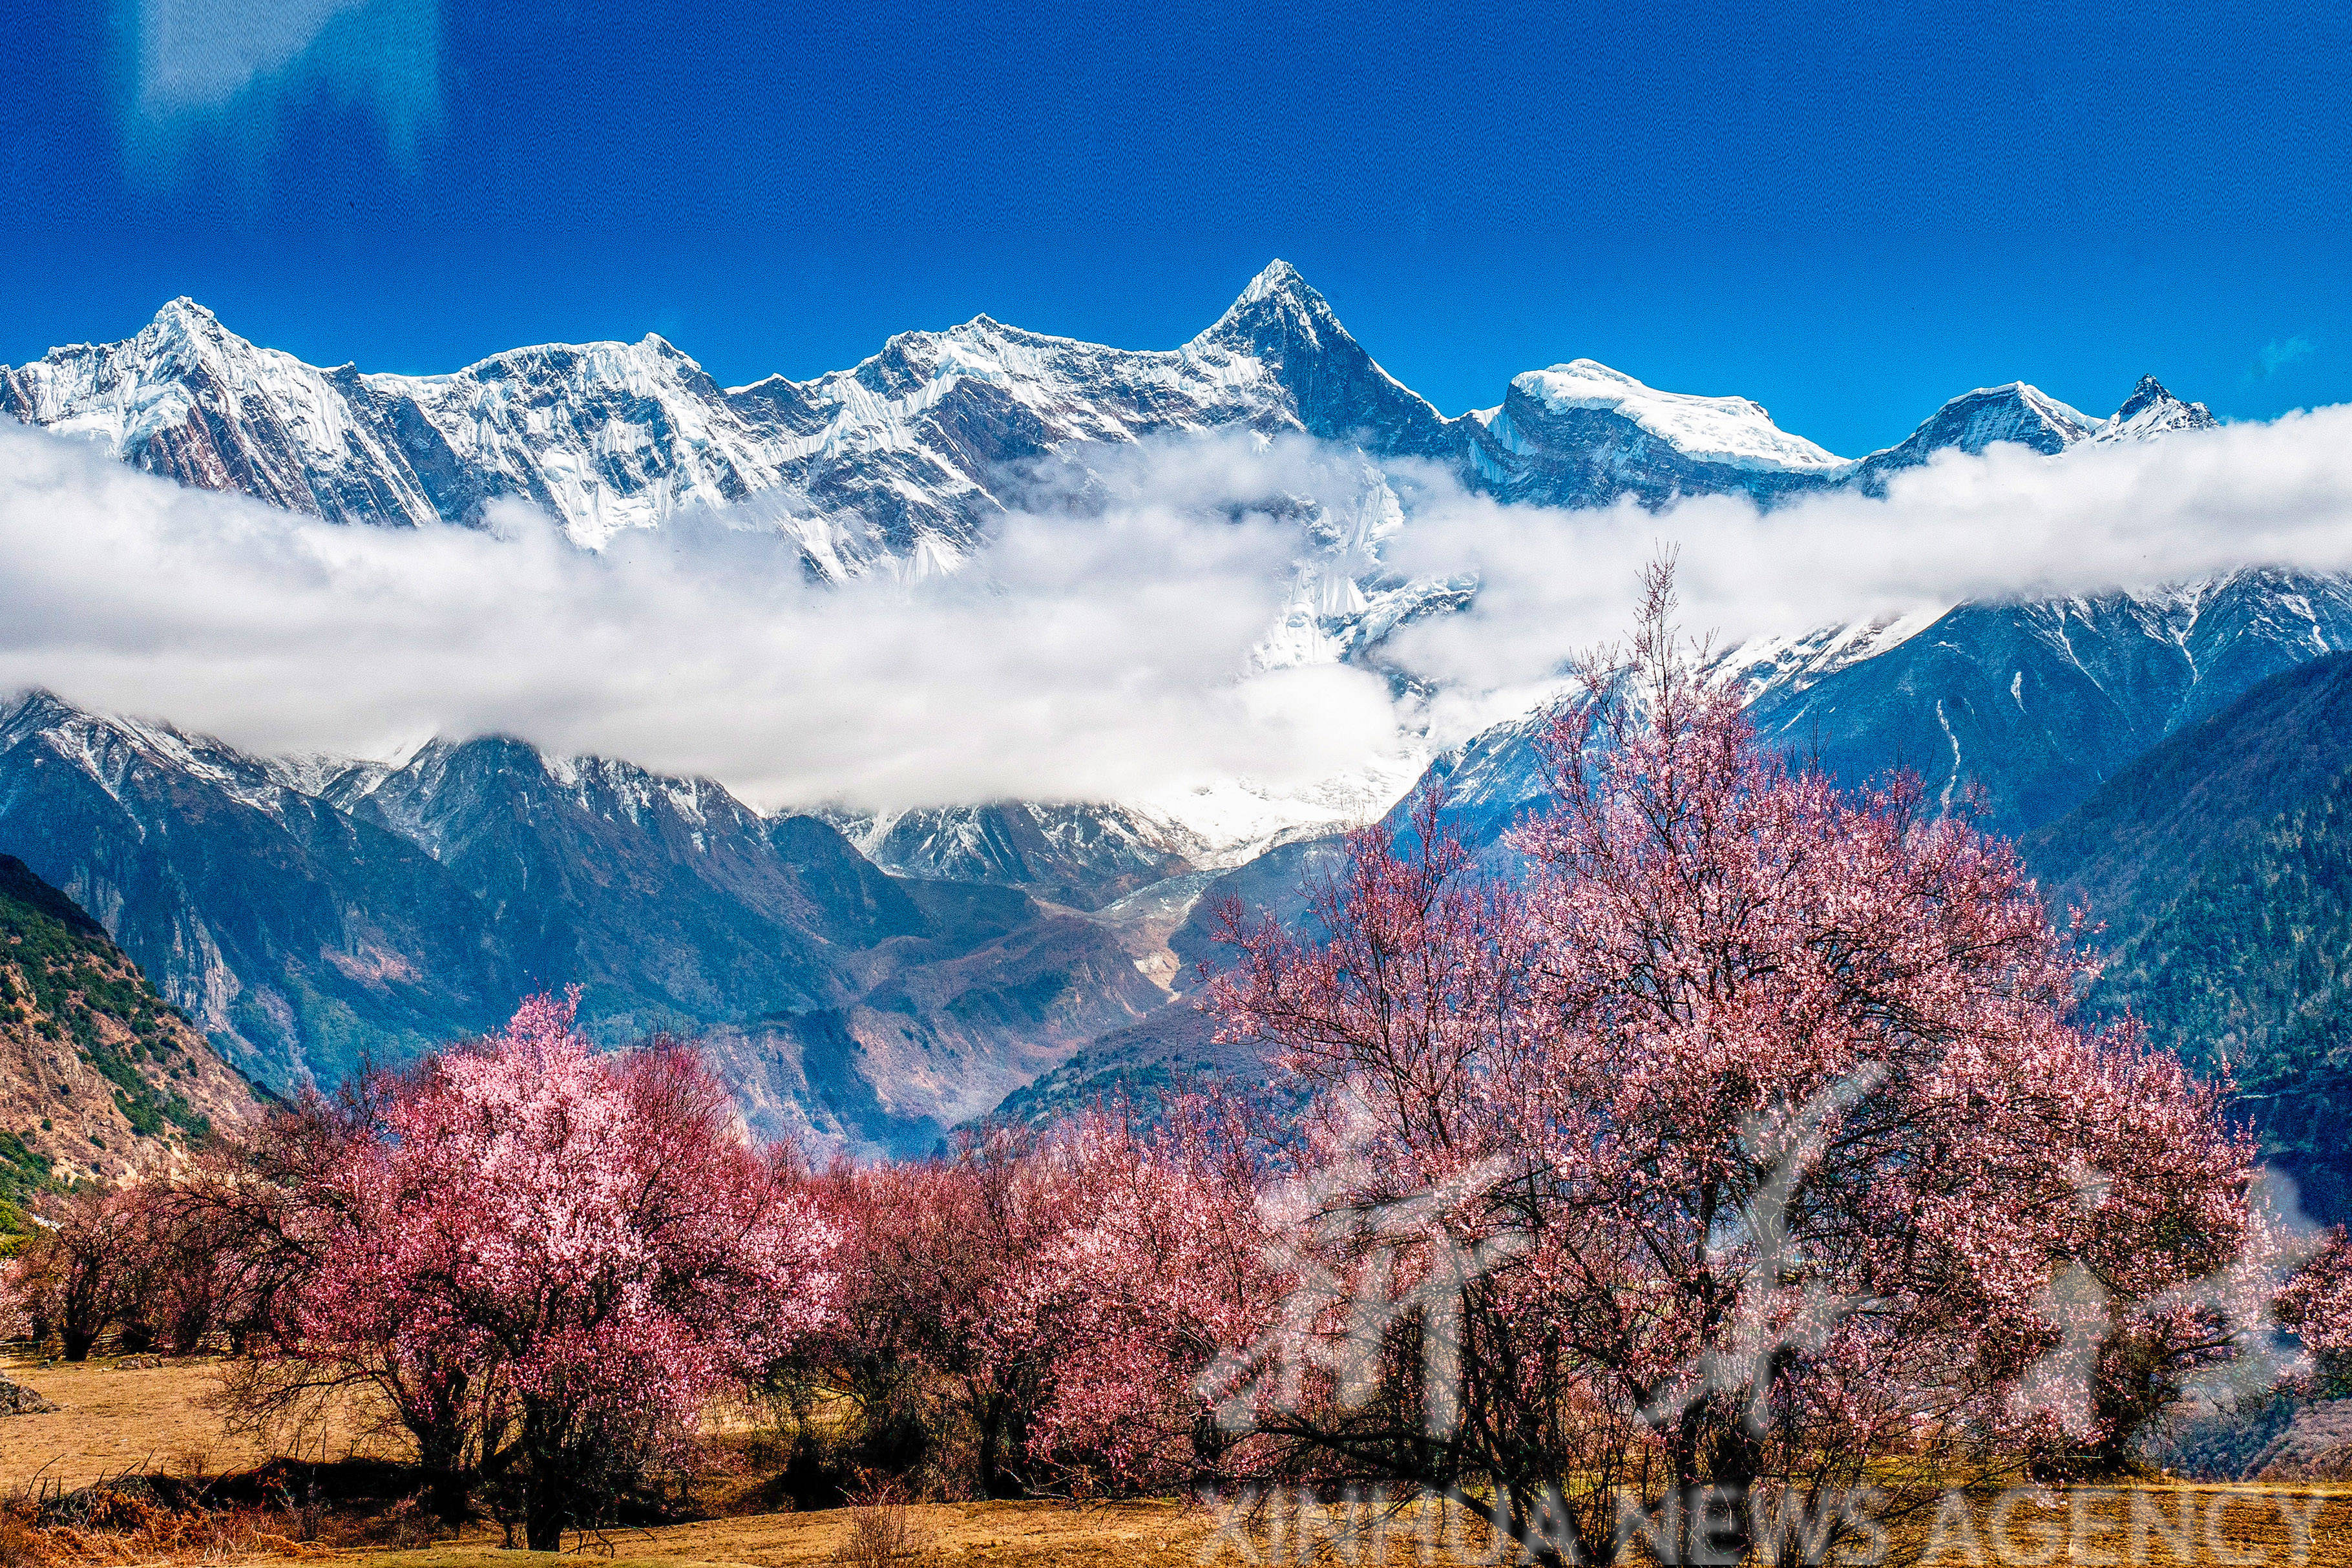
<point>2249,966</point>
<point>2221,865</point>
<point>2208,790</point>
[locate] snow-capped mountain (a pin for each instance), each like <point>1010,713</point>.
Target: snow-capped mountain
<point>262,913</point>
<point>2030,417</point>
<point>904,457</point>
<point>2035,704</point>
<point>2032,704</point>
<point>604,437</point>
<point>1084,856</point>
<point>893,457</point>
<point>1583,435</point>
<point>2150,411</point>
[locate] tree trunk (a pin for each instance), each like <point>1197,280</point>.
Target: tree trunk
<point>547,1483</point>
<point>439,1429</point>
<point>1720,1522</point>
<point>544,1522</point>
<point>446,1481</point>
<point>991,1437</point>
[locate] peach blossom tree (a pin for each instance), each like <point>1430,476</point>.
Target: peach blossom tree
<point>1745,1136</point>
<point>551,1259</point>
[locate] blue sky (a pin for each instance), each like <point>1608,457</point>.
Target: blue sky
<point>1845,211</point>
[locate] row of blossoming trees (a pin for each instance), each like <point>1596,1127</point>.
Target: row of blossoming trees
<point>1741,1142</point>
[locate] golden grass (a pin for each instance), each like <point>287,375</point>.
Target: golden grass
<point>999,1535</point>
<point>115,1419</point>
<point>112,1419</point>
<point>2248,1529</point>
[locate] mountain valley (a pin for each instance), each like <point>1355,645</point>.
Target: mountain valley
<point>868,979</point>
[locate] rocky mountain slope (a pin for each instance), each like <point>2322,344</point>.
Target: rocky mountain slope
<point>2026,707</point>
<point>1175,1047</point>
<point>100,1077</point>
<point>299,937</point>
<point>2035,704</point>
<point>309,918</point>
<point>1085,856</point>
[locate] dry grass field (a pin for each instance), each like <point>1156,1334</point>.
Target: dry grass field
<point>115,1419</point>
<point>111,1418</point>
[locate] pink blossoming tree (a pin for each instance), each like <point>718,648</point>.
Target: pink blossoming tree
<point>1164,1265</point>
<point>1030,1310</point>
<point>1745,1141</point>
<point>934,1343</point>
<point>2317,1304</point>
<point>550,1259</point>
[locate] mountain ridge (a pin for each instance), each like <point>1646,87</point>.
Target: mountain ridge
<point>400,909</point>
<point>2028,703</point>
<point>2218,868</point>
<point>900,458</point>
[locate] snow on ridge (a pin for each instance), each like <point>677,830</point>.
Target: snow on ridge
<point>2032,397</point>
<point>1778,661</point>
<point>1733,431</point>
<point>1276,276</point>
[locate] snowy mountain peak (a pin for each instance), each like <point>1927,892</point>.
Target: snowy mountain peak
<point>1278,307</point>
<point>32,707</point>
<point>187,316</point>
<point>608,359</point>
<point>2013,411</point>
<point>1731,431</point>
<point>2150,411</point>
<point>2035,410</point>
<point>183,326</point>
<point>2024,407</point>
<point>1277,277</point>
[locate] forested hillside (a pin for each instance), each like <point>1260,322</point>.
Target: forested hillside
<point>2221,866</point>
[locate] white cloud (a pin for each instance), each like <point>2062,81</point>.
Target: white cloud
<point>1097,649</point>
<point>2010,524</point>
<point>241,64</point>
<point>1084,656</point>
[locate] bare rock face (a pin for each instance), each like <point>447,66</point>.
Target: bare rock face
<point>2316,1447</point>
<point>16,1400</point>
